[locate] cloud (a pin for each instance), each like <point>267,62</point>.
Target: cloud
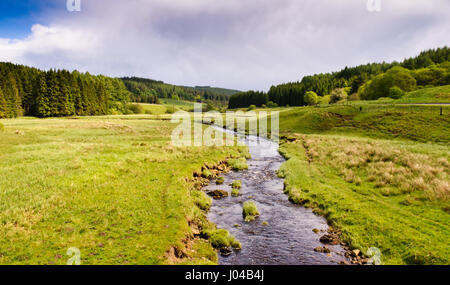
<point>249,44</point>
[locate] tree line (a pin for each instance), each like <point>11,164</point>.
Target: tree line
<point>368,82</point>
<point>149,91</point>
<point>55,93</point>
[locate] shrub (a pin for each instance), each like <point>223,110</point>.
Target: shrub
<point>136,108</point>
<point>396,93</point>
<point>271,104</point>
<point>381,84</point>
<point>311,98</point>
<point>250,211</point>
<point>251,107</point>
<point>354,97</point>
<point>325,99</point>
<point>337,95</point>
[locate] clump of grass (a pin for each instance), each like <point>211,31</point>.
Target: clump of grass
<point>250,211</point>
<point>2,127</point>
<point>202,200</point>
<point>222,239</point>
<point>238,164</point>
<point>220,180</point>
<point>237,184</point>
<point>207,174</point>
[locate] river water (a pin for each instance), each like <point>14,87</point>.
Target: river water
<point>288,237</point>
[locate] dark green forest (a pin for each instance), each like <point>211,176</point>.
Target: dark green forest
<point>27,91</point>
<point>56,93</point>
<point>368,82</point>
<point>149,91</point>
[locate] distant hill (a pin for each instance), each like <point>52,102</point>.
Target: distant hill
<point>149,91</point>
<point>215,90</point>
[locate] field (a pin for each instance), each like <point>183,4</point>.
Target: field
<point>378,172</point>
<point>427,96</point>
<point>116,189</point>
<point>391,195</point>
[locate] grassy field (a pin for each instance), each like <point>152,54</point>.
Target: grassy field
<point>388,194</point>
<point>380,174</point>
<point>180,104</point>
<point>114,188</point>
<point>378,121</point>
<point>428,95</point>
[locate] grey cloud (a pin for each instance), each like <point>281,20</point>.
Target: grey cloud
<point>244,44</point>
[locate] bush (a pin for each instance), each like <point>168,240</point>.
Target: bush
<point>250,211</point>
<point>251,107</point>
<point>354,97</point>
<point>381,84</point>
<point>271,104</point>
<point>311,98</point>
<point>396,92</point>
<point>325,99</point>
<point>136,108</point>
<point>337,95</point>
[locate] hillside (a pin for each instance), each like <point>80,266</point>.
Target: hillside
<point>367,82</point>
<point>150,91</point>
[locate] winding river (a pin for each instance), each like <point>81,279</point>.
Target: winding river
<point>283,233</point>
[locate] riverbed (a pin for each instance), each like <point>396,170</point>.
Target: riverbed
<point>283,233</point>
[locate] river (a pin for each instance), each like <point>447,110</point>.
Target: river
<point>286,237</point>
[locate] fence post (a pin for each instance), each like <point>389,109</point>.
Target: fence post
<point>441,110</point>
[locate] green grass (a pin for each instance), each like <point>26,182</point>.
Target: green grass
<point>178,104</point>
<point>112,186</point>
<point>393,195</point>
<point>427,95</point>
<point>153,109</point>
<point>379,121</point>
<point>250,211</point>
<point>377,170</point>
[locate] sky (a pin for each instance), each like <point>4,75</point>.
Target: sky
<point>238,44</point>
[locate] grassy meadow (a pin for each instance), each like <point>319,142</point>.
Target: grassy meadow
<point>378,172</point>
<point>113,187</point>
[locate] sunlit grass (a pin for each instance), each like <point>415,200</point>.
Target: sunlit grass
<point>112,186</point>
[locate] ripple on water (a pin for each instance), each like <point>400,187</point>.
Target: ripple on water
<point>288,238</point>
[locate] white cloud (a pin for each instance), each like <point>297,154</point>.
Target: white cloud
<point>229,43</point>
